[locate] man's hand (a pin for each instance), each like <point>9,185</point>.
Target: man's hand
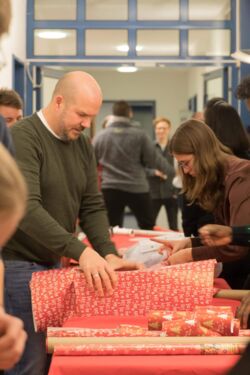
<point>118,263</point>
<point>12,340</point>
<point>215,235</point>
<point>244,310</point>
<point>99,274</point>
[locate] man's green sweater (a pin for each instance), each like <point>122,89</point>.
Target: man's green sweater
<point>62,182</point>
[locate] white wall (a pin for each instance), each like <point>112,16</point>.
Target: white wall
<point>195,85</point>
<point>168,87</point>
<point>14,43</point>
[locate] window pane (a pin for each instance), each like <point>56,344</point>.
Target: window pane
<point>58,42</point>
<point>107,10</point>
<point>209,10</point>
<point>215,88</point>
<point>107,42</point>
<point>157,42</point>
<point>209,42</point>
<point>158,10</point>
<point>55,9</point>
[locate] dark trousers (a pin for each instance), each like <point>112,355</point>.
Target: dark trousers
<point>171,207</point>
<point>139,203</point>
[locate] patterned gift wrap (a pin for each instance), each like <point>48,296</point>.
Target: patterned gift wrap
<point>157,317</point>
<point>148,349</point>
<point>123,330</point>
<point>219,319</point>
<point>58,295</point>
<point>203,321</point>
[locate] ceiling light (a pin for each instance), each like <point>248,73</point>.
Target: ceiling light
<point>52,34</point>
<point>139,48</point>
<point>243,56</point>
<point>123,48</point>
<point>127,69</point>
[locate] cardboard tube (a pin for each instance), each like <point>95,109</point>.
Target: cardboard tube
<point>231,294</point>
<point>52,341</point>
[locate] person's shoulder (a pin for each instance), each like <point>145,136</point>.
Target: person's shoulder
<point>237,167</point>
<point>27,124</point>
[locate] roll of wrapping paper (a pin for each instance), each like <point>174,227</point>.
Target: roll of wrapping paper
<point>58,295</point>
<point>203,321</point>
<point>148,349</point>
<point>219,319</point>
<point>69,341</point>
<point>122,330</point>
<point>156,317</point>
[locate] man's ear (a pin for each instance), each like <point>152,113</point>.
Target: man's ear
<point>58,101</point>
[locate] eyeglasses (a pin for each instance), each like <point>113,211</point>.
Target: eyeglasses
<point>184,163</point>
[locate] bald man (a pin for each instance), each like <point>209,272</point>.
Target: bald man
<point>58,163</point>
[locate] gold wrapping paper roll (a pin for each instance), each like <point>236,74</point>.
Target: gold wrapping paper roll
<point>52,341</point>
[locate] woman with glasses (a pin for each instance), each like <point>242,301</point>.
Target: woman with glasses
<point>218,181</point>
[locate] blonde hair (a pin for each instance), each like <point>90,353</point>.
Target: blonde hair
<point>12,186</point>
<point>5,16</point>
<point>207,187</point>
<point>161,119</point>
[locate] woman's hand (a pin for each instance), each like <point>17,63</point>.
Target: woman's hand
<point>173,245</point>
<point>179,257</point>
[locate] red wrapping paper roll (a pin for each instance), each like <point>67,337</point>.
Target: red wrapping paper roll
<point>58,295</point>
<point>147,349</point>
<point>204,321</point>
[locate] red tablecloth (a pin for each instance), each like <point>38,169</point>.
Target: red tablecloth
<point>142,365</point>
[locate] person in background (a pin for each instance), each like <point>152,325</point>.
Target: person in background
<point>243,91</point>
<point>226,123</point>
<point>59,166</point>
<point>162,190</point>
<point>198,116</point>
<point>124,151</point>
<point>12,206</point>
<point>107,119</point>
<point>218,181</point>
<point>11,106</point>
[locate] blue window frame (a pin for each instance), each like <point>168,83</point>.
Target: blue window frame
<point>131,25</point>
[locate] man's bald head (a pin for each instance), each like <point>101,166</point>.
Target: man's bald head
<point>76,83</point>
<point>76,100</point>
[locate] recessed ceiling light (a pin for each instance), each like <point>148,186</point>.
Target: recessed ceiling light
<point>139,48</point>
<point>127,69</point>
<point>53,34</point>
<point>123,48</point>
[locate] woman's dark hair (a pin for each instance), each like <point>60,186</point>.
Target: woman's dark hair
<point>213,101</point>
<point>225,121</point>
